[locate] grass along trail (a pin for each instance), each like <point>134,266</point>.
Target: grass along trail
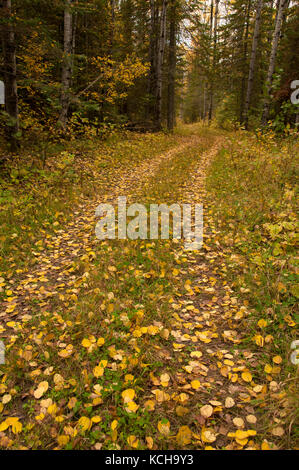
<point>138,344</point>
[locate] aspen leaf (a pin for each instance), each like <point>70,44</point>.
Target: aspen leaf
<point>164,380</point>
<point>149,405</point>
<point>259,340</point>
<point>196,354</point>
<point>86,343</point>
<point>207,435</point>
<point>229,402</point>
<point>128,395</point>
<point>63,440</point>
<point>3,426</point>
<point>133,441</point>
<point>6,398</point>
<point>132,407</point>
<point>262,323</point>
<point>265,446</point>
<point>98,371</point>
<point>183,397</point>
<point>278,431</point>
<point>15,424</point>
<point>114,424</point>
<point>246,376</point>
<point>52,409</point>
<point>251,419</point>
<point>72,402</point>
<point>149,442</point>
<point>160,395</point>
<point>268,369</point>
<point>239,434</point>
<point>206,411</point>
<point>96,419</point>
<point>41,389</point>
<point>84,423</point>
<point>195,384</point>
<point>238,422</point>
<point>100,341</point>
<point>164,427</point>
<point>183,436</point>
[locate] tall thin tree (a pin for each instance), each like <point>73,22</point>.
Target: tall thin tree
<point>160,58</point>
<point>67,66</point>
<point>153,45</point>
<point>10,74</point>
<point>244,59</point>
<point>276,35</point>
<point>171,66</point>
<point>252,60</point>
<point>214,60</point>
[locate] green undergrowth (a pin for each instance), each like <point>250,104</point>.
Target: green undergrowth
<point>253,187</point>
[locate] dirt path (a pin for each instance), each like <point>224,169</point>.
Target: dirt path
<point>51,275</point>
<point>208,327</point>
<point>222,404</point>
<point>136,344</point>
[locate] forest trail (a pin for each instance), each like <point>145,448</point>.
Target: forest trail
<point>139,343</point>
<point>134,344</point>
<point>51,271</point>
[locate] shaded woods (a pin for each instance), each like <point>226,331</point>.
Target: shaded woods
<point>141,64</point>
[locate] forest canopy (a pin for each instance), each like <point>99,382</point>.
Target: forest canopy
<point>143,63</point>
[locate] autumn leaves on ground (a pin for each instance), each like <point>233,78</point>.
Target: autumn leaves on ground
<point>122,344</point>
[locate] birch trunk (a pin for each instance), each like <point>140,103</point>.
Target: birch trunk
<point>112,26</point>
<point>171,68</point>
<point>214,55</point>
<point>245,49</point>
<point>279,19</point>
<point>160,57</point>
<point>252,60</point>
<point>152,54</point>
<point>67,67</point>
<point>10,76</point>
<point>208,85</point>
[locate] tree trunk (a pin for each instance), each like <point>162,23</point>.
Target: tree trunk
<point>10,76</point>
<point>204,101</point>
<point>209,85</point>
<point>269,79</point>
<point>211,18</point>
<point>252,60</point>
<point>153,56</point>
<point>160,57</point>
<point>171,68</point>
<point>112,26</point>
<point>75,24</point>
<point>214,55</point>
<point>245,49</point>
<point>67,69</point>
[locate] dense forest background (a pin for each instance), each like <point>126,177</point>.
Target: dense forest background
<point>92,65</point>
